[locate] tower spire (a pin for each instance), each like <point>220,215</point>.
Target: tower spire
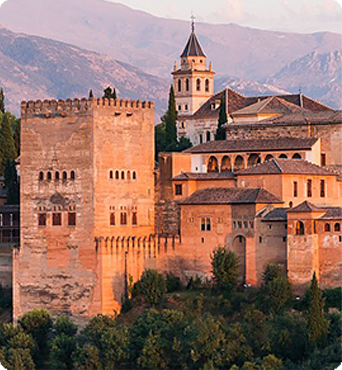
<point>193,22</point>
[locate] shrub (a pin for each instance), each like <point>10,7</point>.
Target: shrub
<point>194,283</point>
<point>62,348</point>
<point>333,298</point>
<point>64,325</point>
<point>225,266</point>
<point>272,271</point>
<point>151,286</point>
<point>173,282</point>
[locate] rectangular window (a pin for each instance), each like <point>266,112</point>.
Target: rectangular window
<point>309,188</point>
<point>71,219</point>
<point>186,107</point>
<point>322,188</point>
<point>112,219</point>
<point>205,224</point>
<point>42,219</point>
<point>179,189</point>
<point>134,219</point>
<point>56,219</point>
<point>179,107</point>
<point>260,239</point>
<point>323,159</point>
<point>123,218</point>
<point>295,189</point>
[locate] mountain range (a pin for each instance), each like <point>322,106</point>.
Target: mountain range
<point>135,51</point>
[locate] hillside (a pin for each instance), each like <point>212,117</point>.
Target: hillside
<point>320,74</point>
<point>37,68</point>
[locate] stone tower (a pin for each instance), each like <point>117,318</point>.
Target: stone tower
<point>86,171</point>
<point>194,81</point>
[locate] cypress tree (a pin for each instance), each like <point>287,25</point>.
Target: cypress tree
<point>109,94</point>
<point>7,146</point>
<point>171,122</point>
<point>11,183</point>
<point>317,324</point>
<point>114,93</point>
<point>221,132</point>
<point>91,95</point>
<point>2,101</point>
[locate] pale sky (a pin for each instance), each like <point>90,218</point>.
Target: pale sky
<point>280,15</point>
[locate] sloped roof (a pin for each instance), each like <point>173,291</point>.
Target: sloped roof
<point>230,146</point>
<point>185,176</point>
<point>231,196</point>
<point>309,117</point>
<point>193,47</point>
<point>305,207</point>
<point>333,213</point>
<point>272,104</point>
<point>287,166</point>
<point>277,214</point>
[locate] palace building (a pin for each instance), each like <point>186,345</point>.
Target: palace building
<point>95,210</point>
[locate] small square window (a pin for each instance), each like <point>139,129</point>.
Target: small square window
<point>56,219</point>
<point>42,219</point>
<point>179,189</point>
<point>71,219</point>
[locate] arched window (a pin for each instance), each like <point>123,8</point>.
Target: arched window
<point>134,219</point>
<point>300,229</point>
<point>111,174</point>
<point>208,136</point>
<point>206,85</point>
<point>72,175</point>
<point>226,164</point>
<point>327,228</point>
<point>253,159</point>
<point>269,157</point>
<point>291,204</point>
<point>187,84</point>
<point>65,176</point>
<point>122,175</point>
<point>41,176</point>
<point>201,139</point>
<point>134,175</point>
<point>49,176</point>
<point>239,163</point>
<point>179,85</point>
<point>123,218</point>
<point>57,175</point>
<point>283,156</point>
<point>128,175</point>
<point>198,84</point>
<point>117,175</point>
<point>337,227</point>
<point>213,165</point>
<point>296,156</point>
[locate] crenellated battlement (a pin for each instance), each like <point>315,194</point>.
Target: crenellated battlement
<point>69,107</point>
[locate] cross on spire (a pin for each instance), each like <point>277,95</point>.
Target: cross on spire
<point>193,22</point>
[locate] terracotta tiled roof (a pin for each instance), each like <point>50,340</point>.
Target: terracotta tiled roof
<point>305,207</point>
<point>306,116</point>
<point>184,176</point>
<point>193,47</point>
<point>287,166</point>
<point>231,196</point>
<point>333,213</point>
<point>277,214</point>
<point>267,106</point>
<point>230,146</point>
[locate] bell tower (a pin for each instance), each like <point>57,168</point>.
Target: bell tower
<point>193,82</point>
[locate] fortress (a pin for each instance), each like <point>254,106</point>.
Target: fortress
<point>95,210</point>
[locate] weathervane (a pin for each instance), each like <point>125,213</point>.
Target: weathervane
<point>193,22</point>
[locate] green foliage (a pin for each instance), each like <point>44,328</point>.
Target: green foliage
<point>88,358</point>
<point>221,132</point>
<point>271,272</point>
<point>62,349</point>
<point>16,129</point>
<point>278,294</point>
<point>173,282</point>
<point>91,94</point>
<point>152,354</point>
<point>317,324</point>
<point>333,298</point>
<point>170,119</point>
<point>151,286</point>
<point>16,359</point>
<point>108,93</point>
<point>271,362</point>
<point>11,183</point>
<point>2,101</point>
<point>238,350</point>
<point>64,325</point>
<point>225,269</point>
<point>7,146</point>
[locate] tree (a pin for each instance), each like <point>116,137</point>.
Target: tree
<point>2,101</point>
<point>221,132</point>
<point>11,183</point>
<point>109,94</point>
<point>170,119</point>
<point>152,354</point>
<point>317,324</point>
<point>7,147</point>
<point>279,293</point>
<point>91,94</point>
<point>225,269</point>
<point>151,286</point>
<point>271,362</point>
<point>271,272</point>
<point>16,134</point>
